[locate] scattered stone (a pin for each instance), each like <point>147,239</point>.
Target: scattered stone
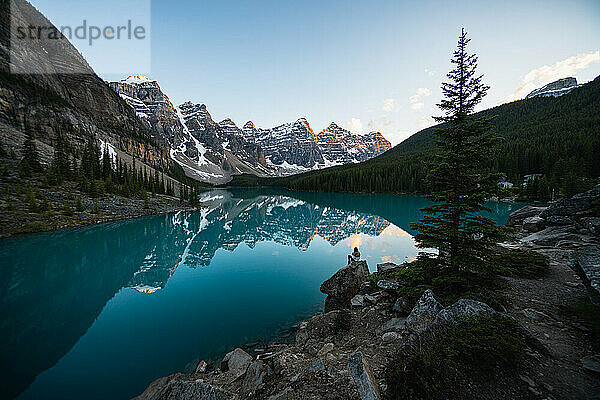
<point>202,367</point>
<point>387,285</point>
<point>394,324</point>
<point>281,394</point>
<point>371,298</point>
<point>327,348</point>
<point>390,337</point>
<point>572,284</point>
<point>235,363</point>
<point>401,306</point>
<point>386,267</point>
<point>363,377</point>
<point>178,387</point>
<point>424,313</point>
<point>463,308</point>
<point>591,363</point>
<point>316,365</point>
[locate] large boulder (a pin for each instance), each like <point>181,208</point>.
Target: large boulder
<point>362,375</point>
<point>517,217</point>
<point>424,313</point>
<point>568,207</point>
<point>552,235</point>
<point>463,308</point>
<point>344,285</point>
<point>387,267</point>
<point>178,387</point>
<point>235,363</point>
<point>255,375</point>
<point>586,262</point>
<point>534,224</point>
<point>592,224</point>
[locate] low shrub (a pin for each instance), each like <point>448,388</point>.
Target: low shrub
<point>479,346</point>
<point>521,263</point>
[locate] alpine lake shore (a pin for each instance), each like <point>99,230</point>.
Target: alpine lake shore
<point>530,329</point>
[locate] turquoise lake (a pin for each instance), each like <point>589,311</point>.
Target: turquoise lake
<point>100,312</point>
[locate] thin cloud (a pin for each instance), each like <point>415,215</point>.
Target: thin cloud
<point>429,72</point>
<point>548,73</point>
<point>389,105</point>
<point>416,102</point>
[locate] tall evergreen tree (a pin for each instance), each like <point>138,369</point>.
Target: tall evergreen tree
<point>457,179</point>
<point>31,159</point>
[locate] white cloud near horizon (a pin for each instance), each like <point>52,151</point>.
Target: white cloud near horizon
<point>416,102</point>
<point>389,105</point>
<point>355,125</point>
<point>545,74</point>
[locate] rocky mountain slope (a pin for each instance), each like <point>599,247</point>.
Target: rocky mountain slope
<point>555,89</point>
<point>51,100</point>
<point>214,151</point>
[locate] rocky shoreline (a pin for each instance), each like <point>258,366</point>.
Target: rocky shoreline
<point>344,353</point>
<point>18,219</point>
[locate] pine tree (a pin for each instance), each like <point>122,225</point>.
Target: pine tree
<point>457,179</point>
<point>31,160</point>
<point>79,205</point>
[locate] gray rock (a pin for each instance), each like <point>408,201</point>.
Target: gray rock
<point>316,365</point>
<point>201,367</point>
<point>535,315</point>
<point>424,313</point>
<point>592,224</point>
<point>357,301</point>
<point>363,377</point>
<point>255,375</point>
<point>394,324</point>
<point>177,387</point>
<point>387,285</point>
<point>386,267</point>
<point>534,224</point>
<point>551,236</point>
<point>569,207</point>
<point>586,262</point>
<point>235,363</point>
<point>591,363</point>
<point>327,348</point>
<point>517,217</point>
<point>390,337</point>
<point>281,394</point>
<point>559,220</point>
<point>344,285</point>
<point>401,306</point>
<point>464,308</point>
<point>372,299</point>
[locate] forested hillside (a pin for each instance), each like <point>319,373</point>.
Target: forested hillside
<point>556,137</point>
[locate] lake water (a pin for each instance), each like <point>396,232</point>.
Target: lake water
<point>100,312</point>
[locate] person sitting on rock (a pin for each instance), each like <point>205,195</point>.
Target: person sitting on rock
<point>354,257</point>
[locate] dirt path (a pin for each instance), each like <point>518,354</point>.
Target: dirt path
<point>536,304</point>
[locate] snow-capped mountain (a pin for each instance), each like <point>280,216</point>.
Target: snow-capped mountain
<point>213,151</point>
<point>555,89</point>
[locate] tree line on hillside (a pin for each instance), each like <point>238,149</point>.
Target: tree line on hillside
<point>558,138</point>
<point>97,172</point>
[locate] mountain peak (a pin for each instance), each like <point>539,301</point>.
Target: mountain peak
<point>555,89</point>
<point>137,79</point>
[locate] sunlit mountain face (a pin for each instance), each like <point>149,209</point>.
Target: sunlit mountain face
<point>144,298</point>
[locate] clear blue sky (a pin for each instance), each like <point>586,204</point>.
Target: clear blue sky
<point>371,64</point>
